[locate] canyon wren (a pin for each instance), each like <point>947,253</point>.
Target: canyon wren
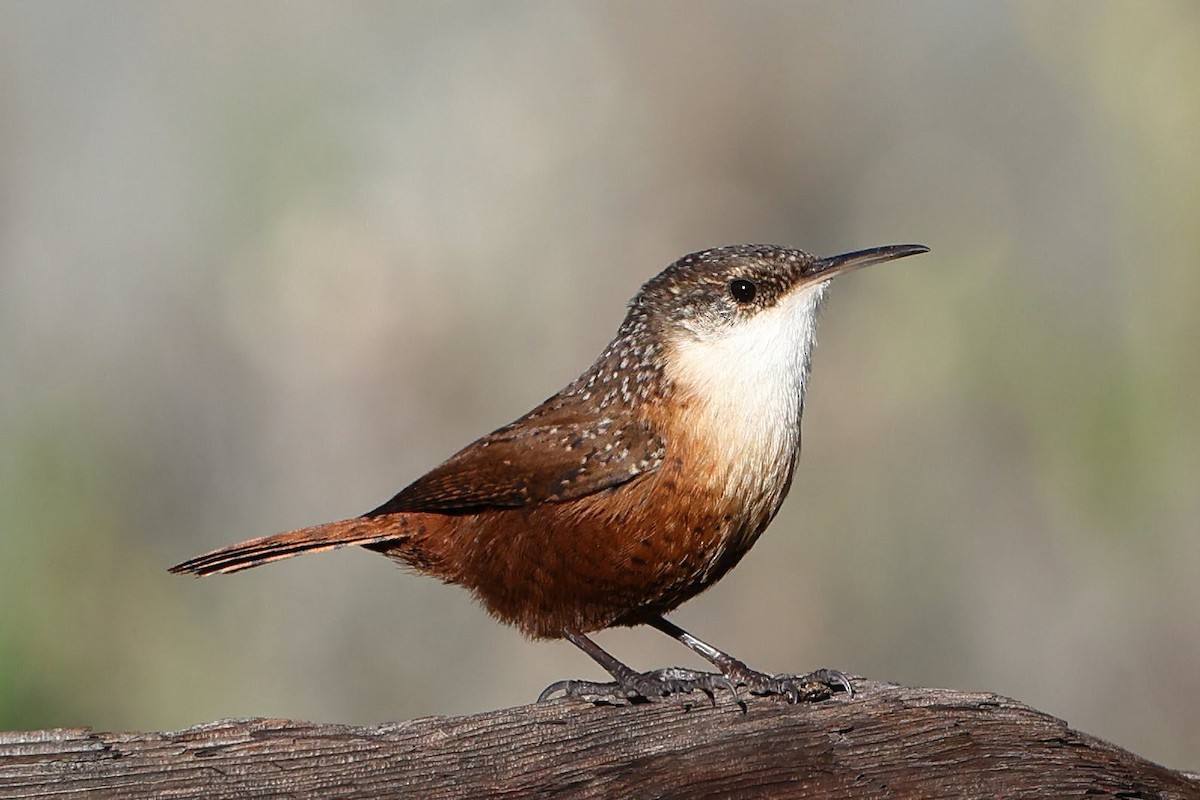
<point>637,486</point>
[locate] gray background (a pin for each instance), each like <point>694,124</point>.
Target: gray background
<point>263,264</point>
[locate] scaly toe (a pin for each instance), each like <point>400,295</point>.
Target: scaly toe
<point>643,687</point>
<point>818,685</point>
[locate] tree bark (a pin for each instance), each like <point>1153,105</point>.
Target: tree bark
<point>886,742</point>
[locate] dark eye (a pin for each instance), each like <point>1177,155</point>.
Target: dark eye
<point>742,290</point>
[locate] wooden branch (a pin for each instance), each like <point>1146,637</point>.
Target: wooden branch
<point>887,741</point>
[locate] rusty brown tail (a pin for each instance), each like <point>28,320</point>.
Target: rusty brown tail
<point>357,531</point>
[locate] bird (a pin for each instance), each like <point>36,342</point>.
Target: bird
<point>634,488</point>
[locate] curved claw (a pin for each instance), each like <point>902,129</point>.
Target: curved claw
<point>833,678</point>
<point>558,686</point>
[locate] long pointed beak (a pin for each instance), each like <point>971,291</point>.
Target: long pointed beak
<point>829,266</point>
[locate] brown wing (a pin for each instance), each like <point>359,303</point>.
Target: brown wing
<point>547,456</point>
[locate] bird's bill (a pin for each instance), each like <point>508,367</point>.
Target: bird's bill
<point>827,267</point>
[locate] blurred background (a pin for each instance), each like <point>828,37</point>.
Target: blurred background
<point>263,264</point>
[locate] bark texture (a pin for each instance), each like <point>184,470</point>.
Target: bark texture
<point>886,742</point>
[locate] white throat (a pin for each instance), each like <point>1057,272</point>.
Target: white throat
<point>745,389</point>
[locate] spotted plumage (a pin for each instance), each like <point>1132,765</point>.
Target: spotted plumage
<point>639,484</point>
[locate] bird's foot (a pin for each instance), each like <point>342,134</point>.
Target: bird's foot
<point>661,684</point>
<point>643,687</point>
<point>817,685</point>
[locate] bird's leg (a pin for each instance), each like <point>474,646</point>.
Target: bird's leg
<point>814,686</point>
<point>630,684</point>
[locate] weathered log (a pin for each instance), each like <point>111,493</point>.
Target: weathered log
<point>887,741</point>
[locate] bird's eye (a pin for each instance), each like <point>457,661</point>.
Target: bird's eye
<point>742,290</point>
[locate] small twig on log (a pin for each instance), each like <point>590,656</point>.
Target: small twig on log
<point>887,741</point>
